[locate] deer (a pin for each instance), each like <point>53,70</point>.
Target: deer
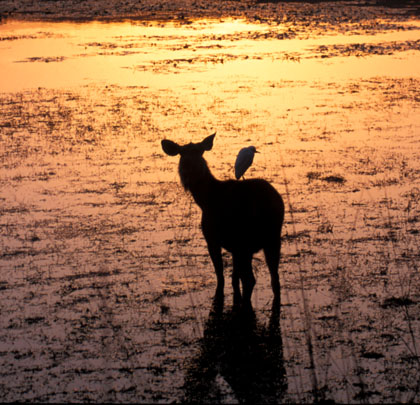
<point>240,216</point>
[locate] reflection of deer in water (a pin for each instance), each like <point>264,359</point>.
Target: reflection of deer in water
<point>242,217</point>
<point>239,360</point>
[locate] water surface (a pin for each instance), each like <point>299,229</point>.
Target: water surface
<point>105,279</point>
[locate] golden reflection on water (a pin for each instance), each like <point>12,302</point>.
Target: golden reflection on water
<point>93,217</point>
<point>246,81</point>
<point>65,54</point>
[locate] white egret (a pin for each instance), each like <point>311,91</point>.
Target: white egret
<point>244,160</point>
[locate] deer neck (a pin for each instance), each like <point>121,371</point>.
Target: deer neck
<point>197,178</point>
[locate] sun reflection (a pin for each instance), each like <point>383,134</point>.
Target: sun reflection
<point>62,54</point>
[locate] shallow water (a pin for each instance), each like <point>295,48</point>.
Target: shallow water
<point>65,54</point>
<point>105,279</point>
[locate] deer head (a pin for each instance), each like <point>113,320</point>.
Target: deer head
<point>193,168</point>
<point>172,148</point>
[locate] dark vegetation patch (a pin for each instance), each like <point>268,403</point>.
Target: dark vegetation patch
<point>313,11</point>
<point>395,302</point>
<point>329,179</point>
<point>364,49</point>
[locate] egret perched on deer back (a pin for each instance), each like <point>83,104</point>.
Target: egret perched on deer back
<point>242,217</point>
<point>244,160</point>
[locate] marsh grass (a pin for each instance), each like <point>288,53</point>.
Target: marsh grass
<point>124,299</point>
<point>106,285</point>
<point>350,355</point>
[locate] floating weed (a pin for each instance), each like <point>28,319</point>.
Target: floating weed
<point>313,175</point>
<point>394,302</point>
<point>334,179</point>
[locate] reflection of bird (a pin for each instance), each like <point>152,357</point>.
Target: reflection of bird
<point>244,160</point>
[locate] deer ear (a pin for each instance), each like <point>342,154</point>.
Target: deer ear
<point>170,148</point>
<point>207,143</point>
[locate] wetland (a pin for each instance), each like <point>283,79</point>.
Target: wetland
<point>106,286</point>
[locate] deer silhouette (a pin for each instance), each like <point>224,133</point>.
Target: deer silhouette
<point>242,217</point>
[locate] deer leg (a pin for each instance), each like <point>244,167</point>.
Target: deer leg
<point>236,272</point>
<point>248,282</point>
<point>242,268</point>
<point>216,257</point>
<point>272,258</point>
